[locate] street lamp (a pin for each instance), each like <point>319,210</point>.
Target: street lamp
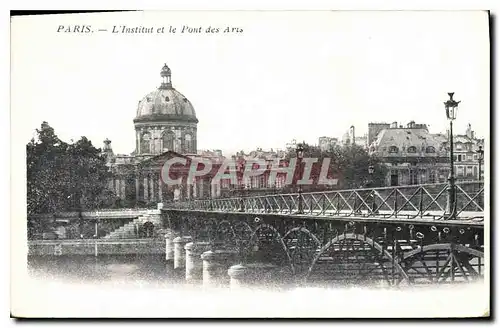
<point>300,156</point>
<point>451,107</point>
<point>241,188</point>
<point>480,158</point>
<point>371,170</point>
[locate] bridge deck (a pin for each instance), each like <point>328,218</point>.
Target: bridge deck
<point>479,222</point>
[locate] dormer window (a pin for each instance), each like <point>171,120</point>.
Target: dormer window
<point>167,99</point>
<point>393,149</point>
<point>430,149</point>
<point>185,100</point>
<point>412,149</point>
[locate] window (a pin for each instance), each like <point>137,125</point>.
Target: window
<point>412,149</point>
<point>393,149</point>
<point>475,157</point>
<point>145,141</point>
<point>413,177</point>
<point>460,171</point>
<point>168,140</point>
<point>432,177</point>
<point>459,158</point>
<point>458,146</point>
<point>394,178</point>
<point>469,157</point>
<point>187,143</point>
<point>430,149</point>
<point>167,99</point>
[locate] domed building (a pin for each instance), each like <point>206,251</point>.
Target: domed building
<point>165,127</point>
<point>165,121</point>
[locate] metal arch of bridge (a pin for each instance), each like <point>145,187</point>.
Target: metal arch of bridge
<point>407,251</point>
<point>426,201</point>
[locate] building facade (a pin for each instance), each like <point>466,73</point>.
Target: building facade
<point>466,156</point>
<point>165,127</point>
<point>327,143</point>
<point>411,153</point>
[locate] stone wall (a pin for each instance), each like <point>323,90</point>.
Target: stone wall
<point>96,247</point>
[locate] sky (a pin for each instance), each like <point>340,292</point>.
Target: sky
<point>289,74</point>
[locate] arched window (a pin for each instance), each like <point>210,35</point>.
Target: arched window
<point>145,143</point>
<point>430,149</point>
<point>187,143</point>
<point>393,149</point>
<point>168,140</point>
<point>412,149</point>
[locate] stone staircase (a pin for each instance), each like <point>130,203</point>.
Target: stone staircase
<point>130,230</point>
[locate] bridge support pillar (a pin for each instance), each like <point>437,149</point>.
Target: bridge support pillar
<point>194,264</point>
<point>169,244</point>
<point>215,266</point>
<point>252,275</point>
<point>179,252</point>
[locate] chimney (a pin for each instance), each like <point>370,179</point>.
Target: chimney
<point>468,132</point>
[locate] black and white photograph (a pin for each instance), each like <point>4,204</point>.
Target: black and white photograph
<point>256,164</point>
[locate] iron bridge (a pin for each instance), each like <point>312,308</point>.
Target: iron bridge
<point>388,236</point>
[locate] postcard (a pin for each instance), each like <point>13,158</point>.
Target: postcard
<point>285,164</point>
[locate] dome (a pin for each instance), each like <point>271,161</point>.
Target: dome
<point>165,103</point>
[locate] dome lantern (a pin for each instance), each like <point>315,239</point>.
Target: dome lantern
<point>166,76</point>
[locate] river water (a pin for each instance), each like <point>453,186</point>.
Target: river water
<point>148,286</point>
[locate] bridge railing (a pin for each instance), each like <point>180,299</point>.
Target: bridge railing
<point>415,201</point>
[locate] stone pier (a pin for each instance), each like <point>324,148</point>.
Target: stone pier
<point>252,275</point>
<point>194,264</point>
<point>180,252</point>
<point>169,245</point>
<point>215,266</point>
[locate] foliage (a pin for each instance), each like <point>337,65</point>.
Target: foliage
<point>62,176</point>
<point>349,164</point>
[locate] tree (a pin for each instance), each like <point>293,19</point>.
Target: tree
<point>63,176</point>
<point>349,164</point>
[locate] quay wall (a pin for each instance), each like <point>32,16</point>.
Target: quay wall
<point>95,247</point>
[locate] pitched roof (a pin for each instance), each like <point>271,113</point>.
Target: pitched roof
<point>406,137</point>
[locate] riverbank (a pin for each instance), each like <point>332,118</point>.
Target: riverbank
<point>95,247</point>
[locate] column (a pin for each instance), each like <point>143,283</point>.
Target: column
<point>152,189</point>
<point>195,189</point>
<point>160,188</point>
<point>137,141</point>
<point>212,189</point>
<point>218,188</point>
<point>201,189</point>
<point>122,188</point>
<point>137,185</point>
<point>146,187</point>
<point>117,187</point>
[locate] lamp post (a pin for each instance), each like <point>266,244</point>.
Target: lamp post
<point>240,185</point>
<point>371,170</point>
<point>300,155</point>
<point>451,107</point>
<point>480,158</point>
